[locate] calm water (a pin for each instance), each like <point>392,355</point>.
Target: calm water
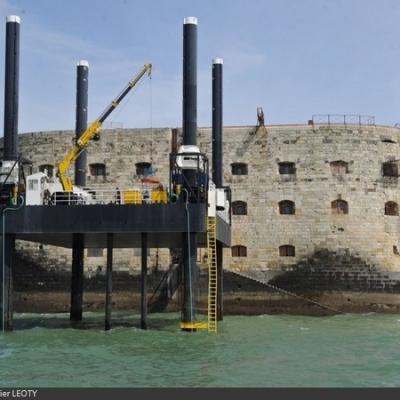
<point>263,351</point>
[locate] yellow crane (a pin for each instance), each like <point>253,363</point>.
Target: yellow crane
<point>92,130</point>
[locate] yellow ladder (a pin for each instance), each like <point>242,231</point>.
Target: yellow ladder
<point>212,274</point>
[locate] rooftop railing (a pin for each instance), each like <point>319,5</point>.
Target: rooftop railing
<point>342,119</point>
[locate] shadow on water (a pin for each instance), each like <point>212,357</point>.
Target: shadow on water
<point>92,321</point>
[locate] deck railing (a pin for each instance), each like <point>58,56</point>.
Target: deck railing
<point>138,195</point>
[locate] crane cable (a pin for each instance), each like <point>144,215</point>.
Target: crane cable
<point>151,119</point>
<point>151,114</point>
<point>125,104</point>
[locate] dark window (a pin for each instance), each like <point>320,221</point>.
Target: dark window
<point>287,168</point>
<point>239,251</point>
<point>386,140</point>
<point>143,168</point>
<point>391,208</point>
<point>239,208</point>
<point>47,168</point>
<point>26,165</point>
<point>339,167</point>
<point>286,207</point>
<point>390,169</point>
<point>239,169</point>
<point>340,207</point>
<point>95,252</point>
<point>97,169</point>
<point>287,251</point>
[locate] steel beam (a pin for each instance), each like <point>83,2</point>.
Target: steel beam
<point>143,284</point>
<point>82,75</point>
<point>190,81</point>
<point>11,88</point>
<point>189,138</point>
<point>6,283</point>
<point>217,123</point>
<point>80,179</point>
<point>77,277</point>
<point>217,163</point>
<point>108,302</point>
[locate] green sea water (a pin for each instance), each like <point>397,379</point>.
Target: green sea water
<point>257,351</point>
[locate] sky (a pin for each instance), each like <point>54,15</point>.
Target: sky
<point>294,58</point>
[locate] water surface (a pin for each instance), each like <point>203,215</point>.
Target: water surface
<point>256,351</point>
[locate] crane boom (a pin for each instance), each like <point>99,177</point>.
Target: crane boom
<point>92,130</point>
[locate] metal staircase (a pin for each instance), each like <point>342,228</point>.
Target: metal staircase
<point>212,274</point>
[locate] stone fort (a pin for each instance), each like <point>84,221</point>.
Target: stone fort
<point>314,206</point>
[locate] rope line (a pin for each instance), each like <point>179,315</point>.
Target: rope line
<point>292,294</point>
<point>151,118</point>
<point>123,105</point>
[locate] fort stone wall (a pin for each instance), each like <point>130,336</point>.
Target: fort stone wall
<point>319,204</point>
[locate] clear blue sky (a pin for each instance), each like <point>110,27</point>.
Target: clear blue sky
<point>294,58</point>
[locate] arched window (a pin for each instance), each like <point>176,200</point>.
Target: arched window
<point>239,208</point>
<point>97,169</point>
<point>339,207</point>
<point>47,169</point>
<point>390,169</point>
<point>143,168</point>
<point>287,168</point>
<point>286,207</point>
<point>239,169</point>
<point>239,251</point>
<point>339,167</point>
<point>391,208</point>
<point>287,250</point>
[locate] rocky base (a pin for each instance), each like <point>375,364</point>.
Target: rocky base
<point>235,303</point>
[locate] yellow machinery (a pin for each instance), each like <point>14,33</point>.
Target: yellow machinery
<point>159,196</point>
<point>132,197</point>
<point>92,130</point>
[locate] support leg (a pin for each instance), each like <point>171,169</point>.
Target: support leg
<point>110,239</point>
<point>189,278</point>
<point>6,287</point>
<point>77,278</point>
<point>143,284</point>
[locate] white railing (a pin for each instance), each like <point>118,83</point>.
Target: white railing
<point>138,195</point>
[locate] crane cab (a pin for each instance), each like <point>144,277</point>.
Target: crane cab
<point>36,189</point>
<point>189,174</point>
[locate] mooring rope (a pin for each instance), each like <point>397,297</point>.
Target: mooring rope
<point>291,293</point>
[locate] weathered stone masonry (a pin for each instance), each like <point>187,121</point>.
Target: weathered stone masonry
<point>334,170</point>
